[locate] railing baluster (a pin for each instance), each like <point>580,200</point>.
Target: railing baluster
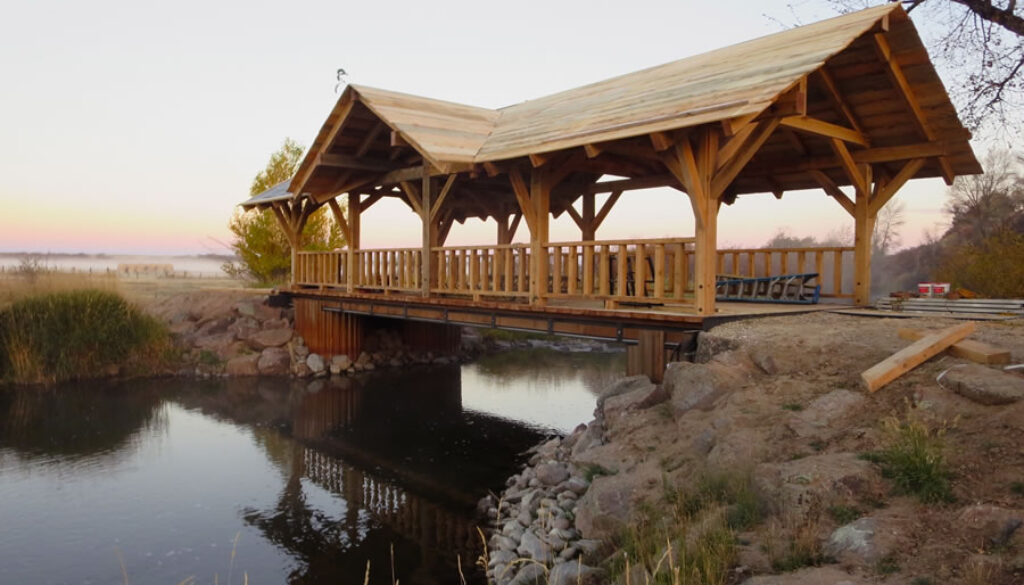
<point>588,269</point>
<point>659,271</point>
<point>556,270</point>
<point>620,265</point>
<point>573,270</point>
<point>640,271</point>
<point>603,269</point>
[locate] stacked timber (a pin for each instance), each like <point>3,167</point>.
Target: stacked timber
<point>973,306</point>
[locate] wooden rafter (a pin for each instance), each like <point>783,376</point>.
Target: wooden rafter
<point>372,198</point>
<point>298,184</point>
<point>369,138</point>
<point>592,150</point>
<point>354,162</point>
<point>522,192</point>
<point>412,196</point>
<point>661,141</point>
<point>818,127</point>
<point>899,81</point>
<point>838,102</point>
<point>886,192</point>
<point>340,219</point>
<point>575,216</point>
<point>442,195</point>
<point>853,171</point>
<point>735,142</point>
<point>833,190</point>
<point>727,174</point>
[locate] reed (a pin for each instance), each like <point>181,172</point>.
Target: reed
<point>50,337</point>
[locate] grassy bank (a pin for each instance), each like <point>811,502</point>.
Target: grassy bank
<point>60,335</point>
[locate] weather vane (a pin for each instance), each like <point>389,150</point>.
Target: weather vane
<point>341,75</point>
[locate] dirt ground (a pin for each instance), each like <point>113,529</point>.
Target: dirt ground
<point>790,408</point>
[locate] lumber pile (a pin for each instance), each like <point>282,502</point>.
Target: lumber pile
<point>969,306</point>
<point>914,355</point>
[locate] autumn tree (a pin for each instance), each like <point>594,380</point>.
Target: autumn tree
<point>980,45</point>
<point>259,242</point>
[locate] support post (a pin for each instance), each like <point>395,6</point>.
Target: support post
<point>705,210</point>
<point>864,225</point>
<point>589,227</point>
<point>354,213</point>
<point>540,198</point>
<point>429,233</point>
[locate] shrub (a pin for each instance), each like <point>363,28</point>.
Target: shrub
<point>991,268</point>
<point>913,460</point>
<point>74,334</point>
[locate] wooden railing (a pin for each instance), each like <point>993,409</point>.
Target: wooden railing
<point>647,271</point>
<point>655,271</point>
<point>834,265</point>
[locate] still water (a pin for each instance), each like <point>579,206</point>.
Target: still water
<point>274,481</point>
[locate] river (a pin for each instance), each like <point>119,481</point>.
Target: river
<point>272,481</point>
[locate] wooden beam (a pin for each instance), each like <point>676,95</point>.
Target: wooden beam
<point>725,176</point>
<point>369,138</point>
<point>833,190</point>
<point>412,195</point>
<point>818,127</point>
<point>340,219</point>
<point>298,184</point>
<point>575,216</point>
<point>661,141</point>
<point>429,230</point>
<point>891,187</point>
<point>373,198</point>
<point>492,169</point>
<point>850,167</point>
<point>733,125</point>
<point>353,162</point>
<point>649,182</point>
<point>540,159</point>
<point>729,149</point>
<point>606,209</point>
<point>522,193</point>
<point>398,141</point>
<point>903,88</point>
<point>592,150</point>
<point>913,355</point>
<point>443,195</point>
<point>838,102</point>
<point>967,349</point>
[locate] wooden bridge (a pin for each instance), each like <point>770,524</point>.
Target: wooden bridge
<point>851,106</point>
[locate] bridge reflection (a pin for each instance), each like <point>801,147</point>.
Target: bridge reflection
<point>374,464</point>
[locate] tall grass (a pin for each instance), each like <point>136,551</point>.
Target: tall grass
<point>27,282</point>
<point>913,459</point>
<point>57,336</point>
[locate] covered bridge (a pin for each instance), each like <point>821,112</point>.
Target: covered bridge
<point>852,106</point>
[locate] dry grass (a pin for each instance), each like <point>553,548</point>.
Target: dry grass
<point>15,286</point>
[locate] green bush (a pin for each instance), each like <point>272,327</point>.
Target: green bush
<point>913,460</point>
<point>75,334</point>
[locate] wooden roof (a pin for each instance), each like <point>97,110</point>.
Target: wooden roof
<point>865,77</point>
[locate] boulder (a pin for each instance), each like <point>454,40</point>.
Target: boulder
<point>270,338</point>
<point>551,474</point>
<point>984,385</point>
<point>690,386</point>
<point>529,574</point>
<point>274,361</point>
<point>216,342</point>
<point>818,417</point>
<point>624,386</point>
<point>316,364</point>
<point>243,365</point>
<point>592,436</point>
<point>265,312</point>
<point>531,546</point>
<point>244,327</point>
<point>856,539</point>
<point>817,481</point>
<point>277,324</point>
<point>604,510</point>
<point>246,309</point>
<point>643,396</point>
<point>709,345</point>
<point>339,364</point>
<point>212,326</point>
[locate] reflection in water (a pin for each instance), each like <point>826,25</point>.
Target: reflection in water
<point>320,477</point>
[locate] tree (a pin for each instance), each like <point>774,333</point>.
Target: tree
<point>985,205</point>
<point>886,234</point>
<point>981,45</point>
<point>261,246</point>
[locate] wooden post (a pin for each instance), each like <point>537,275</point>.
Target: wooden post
<point>864,223</point>
<point>705,212</point>
<point>354,213</point>
<point>540,198</point>
<point>429,232</point>
<point>589,227</point>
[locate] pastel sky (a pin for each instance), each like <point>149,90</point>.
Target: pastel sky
<point>136,127</point>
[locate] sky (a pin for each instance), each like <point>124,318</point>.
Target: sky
<point>137,127</point>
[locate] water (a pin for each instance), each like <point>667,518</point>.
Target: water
<point>299,482</point>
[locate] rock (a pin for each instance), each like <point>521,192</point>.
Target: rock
<point>531,546</point>
<point>764,358</point>
<point>823,411</point>
<point>244,327</point>
<point>690,386</point>
<point>500,557</point>
<point>274,361</point>
<point>984,385</point>
<point>810,576</point>
<point>265,312</point>
<point>592,437</point>
<point>502,542</point>
<point>551,474</point>
<point>578,485</point>
<point>339,364</point>
<point>277,324</point>
<point>645,395</point>
<point>529,574</point>
<point>623,386</point>
<point>817,481</point>
<point>709,345</point>
<point>245,309</point>
<point>213,326</point>
<point>315,363</point>
<point>574,573</point>
<point>856,539</point>
<point>216,342</point>
<point>604,510</point>
<point>244,365</point>
<point>270,338</point>
<point>989,526</point>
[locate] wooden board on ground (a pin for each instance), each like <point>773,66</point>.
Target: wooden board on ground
<point>967,349</point>
<point>913,355</point>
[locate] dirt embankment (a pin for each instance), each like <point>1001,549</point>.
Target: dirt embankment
<point>765,462</point>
